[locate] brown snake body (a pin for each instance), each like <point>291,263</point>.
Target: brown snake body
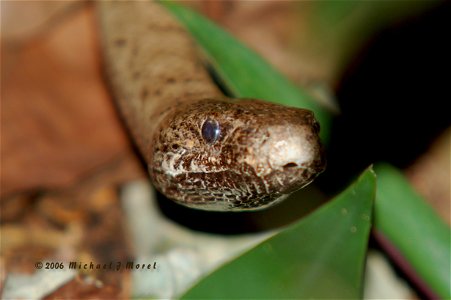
<point>203,150</point>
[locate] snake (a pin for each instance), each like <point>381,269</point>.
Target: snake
<point>203,150</point>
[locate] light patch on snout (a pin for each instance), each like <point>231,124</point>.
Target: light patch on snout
<point>288,147</point>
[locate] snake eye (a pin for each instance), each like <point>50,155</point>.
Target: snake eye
<point>211,131</point>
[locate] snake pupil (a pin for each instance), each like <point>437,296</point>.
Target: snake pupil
<point>210,131</point>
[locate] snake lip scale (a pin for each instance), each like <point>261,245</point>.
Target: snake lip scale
<point>203,150</point>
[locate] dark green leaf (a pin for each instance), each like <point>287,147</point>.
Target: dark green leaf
<point>321,256</point>
<point>414,229</point>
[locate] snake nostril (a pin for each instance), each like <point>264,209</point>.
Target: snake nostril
<point>290,165</point>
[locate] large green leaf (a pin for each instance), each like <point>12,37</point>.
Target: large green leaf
<point>321,256</point>
<point>244,72</point>
<point>414,229</point>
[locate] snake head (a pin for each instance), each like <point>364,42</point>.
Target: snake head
<point>235,155</point>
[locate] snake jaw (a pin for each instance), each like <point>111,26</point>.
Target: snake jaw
<point>262,153</point>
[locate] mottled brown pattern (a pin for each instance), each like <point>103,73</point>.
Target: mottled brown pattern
<point>264,151</point>
<point>248,167</point>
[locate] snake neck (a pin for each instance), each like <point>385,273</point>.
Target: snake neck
<point>151,63</point>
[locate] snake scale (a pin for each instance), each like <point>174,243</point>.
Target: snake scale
<point>203,150</point>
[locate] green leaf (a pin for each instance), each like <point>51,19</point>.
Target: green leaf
<point>243,71</point>
<point>320,256</point>
<point>414,229</point>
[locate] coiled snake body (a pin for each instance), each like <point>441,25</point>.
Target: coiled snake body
<point>203,150</point>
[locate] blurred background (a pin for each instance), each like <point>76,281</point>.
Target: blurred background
<point>382,67</point>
